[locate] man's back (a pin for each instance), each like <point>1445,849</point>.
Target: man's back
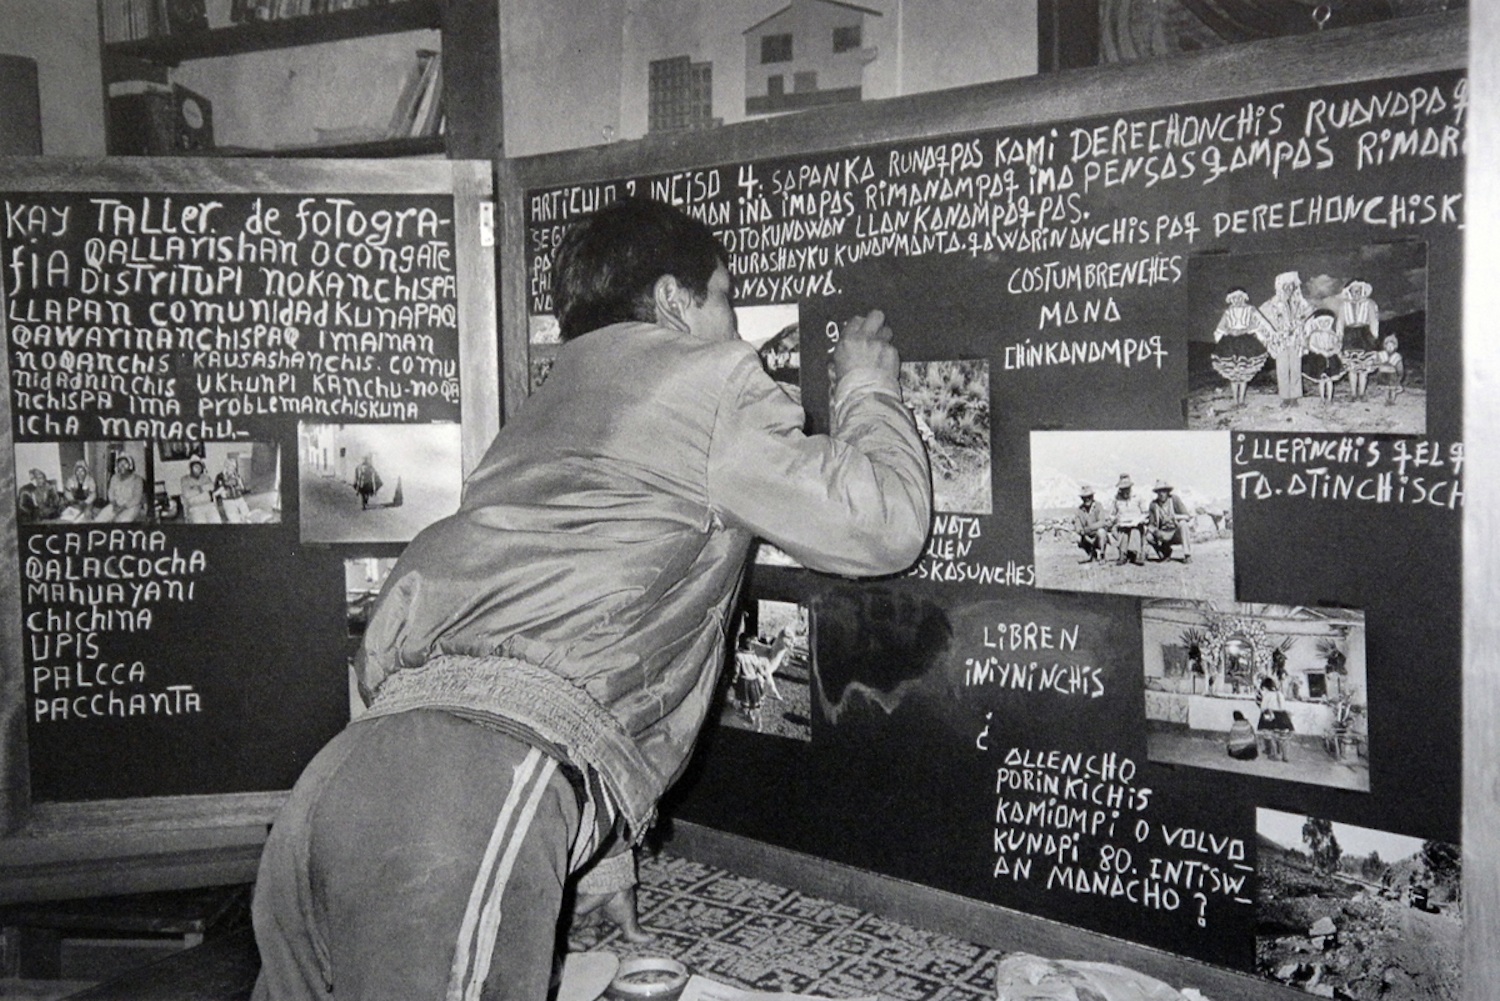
<point>578,530</point>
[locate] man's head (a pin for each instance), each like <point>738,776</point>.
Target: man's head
<point>638,259</point>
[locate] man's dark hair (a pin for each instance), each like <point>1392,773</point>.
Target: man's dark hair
<point>608,263</point>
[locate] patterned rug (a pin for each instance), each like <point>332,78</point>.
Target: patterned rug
<point>763,937</point>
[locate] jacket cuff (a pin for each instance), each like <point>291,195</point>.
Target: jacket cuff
<point>862,382</point>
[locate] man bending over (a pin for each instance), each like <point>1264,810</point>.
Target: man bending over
<point>539,663</point>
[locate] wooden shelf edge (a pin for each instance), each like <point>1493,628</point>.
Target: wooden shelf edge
<point>310,29</point>
<point>373,148</point>
<point>379,148</point>
<point>146,872</point>
<point>107,848</point>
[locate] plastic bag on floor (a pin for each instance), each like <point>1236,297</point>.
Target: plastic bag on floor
<point>1023,977</point>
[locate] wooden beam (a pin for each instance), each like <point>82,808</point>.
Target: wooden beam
<point>1481,578</point>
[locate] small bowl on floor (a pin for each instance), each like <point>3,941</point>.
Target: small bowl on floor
<point>648,978</point>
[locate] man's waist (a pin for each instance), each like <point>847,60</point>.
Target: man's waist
<point>565,717</point>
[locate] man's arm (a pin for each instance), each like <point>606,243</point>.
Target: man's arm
<point>857,501</point>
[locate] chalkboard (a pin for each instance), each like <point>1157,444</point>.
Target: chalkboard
<point>203,364</point>
<point>1011,720</point>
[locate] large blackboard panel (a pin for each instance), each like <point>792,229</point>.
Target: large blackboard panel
<point>264,316</point>
<point>900,792</point>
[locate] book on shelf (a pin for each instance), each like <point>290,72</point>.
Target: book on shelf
<point>422,83</point>
<point>425,119</point>
<point>132,20</point>
<point>129,20</point>
<point>280,10</point>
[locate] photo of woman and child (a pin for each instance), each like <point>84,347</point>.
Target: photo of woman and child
<point>1345,329</point>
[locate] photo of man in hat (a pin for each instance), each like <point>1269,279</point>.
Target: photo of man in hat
<point>1169,537</point>
<point>1169,524</point>
<point>1092,525</point>
<point>1127,519</point>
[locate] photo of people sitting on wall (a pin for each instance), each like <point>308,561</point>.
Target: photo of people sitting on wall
<point>219,482</point>
<point>1271,690</point>
<point>84,482</point>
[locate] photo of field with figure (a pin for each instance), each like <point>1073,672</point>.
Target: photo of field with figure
<point>951,401</point>
<point>1350,912</point>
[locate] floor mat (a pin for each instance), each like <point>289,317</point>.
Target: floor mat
<point>764,937</point>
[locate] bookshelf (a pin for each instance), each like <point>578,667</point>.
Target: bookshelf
<point>145,61</point>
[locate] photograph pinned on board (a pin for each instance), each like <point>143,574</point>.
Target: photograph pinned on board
<point>1329,340</point>
<point>768,681</point>
<point>1133,512</point>
<point>1353,912</point>
<point>85,482</point>
<point>219,482</point>
<point>771,555</point>
<point>544,337</point>
<point>951,403</point>
<point>773,331</point>
<point>1275,691</point>
<point>376,482</point>
<point>364,576</point>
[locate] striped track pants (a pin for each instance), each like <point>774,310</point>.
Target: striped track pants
<point>420,856</point>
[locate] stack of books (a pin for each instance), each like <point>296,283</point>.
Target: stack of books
<point>130,20</point>
<point>276,10</point>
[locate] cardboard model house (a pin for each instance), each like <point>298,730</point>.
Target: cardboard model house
<point>809,53</point>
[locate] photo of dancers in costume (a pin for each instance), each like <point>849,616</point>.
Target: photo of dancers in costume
<point>1331,325</point>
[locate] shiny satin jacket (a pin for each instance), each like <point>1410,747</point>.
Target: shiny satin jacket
<point>590,570</point>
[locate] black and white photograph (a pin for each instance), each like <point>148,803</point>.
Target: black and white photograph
<point>88,482</point>
<point>1133,512</point>
<point>219,482</point>
<point>376,482</point>
<point>1114,578</point>
<point>1275,691</point>
<point>1314,340</point>
<point>543,339</point>
<point>1351,912</point>
<point>767,685</point>
<point>773,331</point>
<point>771,555</point>
<point>951,402</point>
<point>364,576</point>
